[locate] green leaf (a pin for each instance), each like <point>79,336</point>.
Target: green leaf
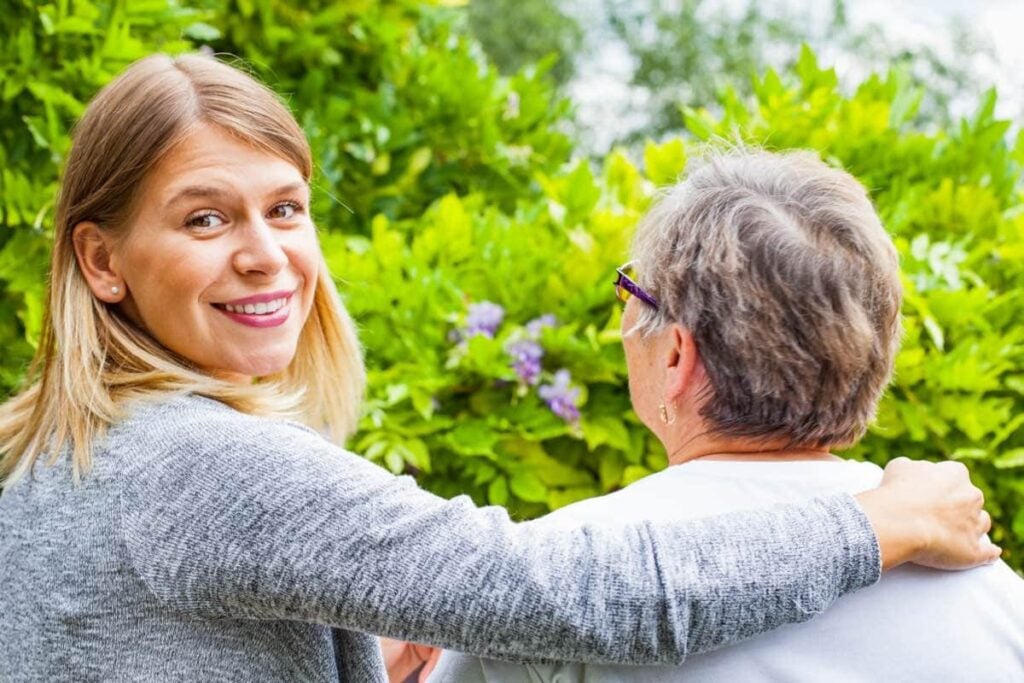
<point>414,451</point>
<point>610,470</point>
<point>605,429</point>
<point>969,454</point>
<point>393,460</point>
<point>905,105</point>
<point>423,402</point>
<point>497,491</point>
<point>418,162</point>
<point>664,163</point>
<point>935,332</point>
<point>381,164</point>
<point>551,472</point>
<point>202,32</point>
<point>1010,459</point>
<point>528,487</point>
<point>1015,383</point>
<point>699,123</point>
<point>1006,432</point>
<point>75,25</point>
<point>472,437</point>
<point>634,473</point>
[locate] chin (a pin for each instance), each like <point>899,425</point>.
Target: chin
<point>261,366</point>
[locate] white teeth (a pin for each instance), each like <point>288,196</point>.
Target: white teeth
<point>262,308</point>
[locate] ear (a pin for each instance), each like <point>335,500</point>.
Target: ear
<point>94,254</point>
<point>682,362</point>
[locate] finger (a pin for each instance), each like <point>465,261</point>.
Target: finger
<point>955,465</point>
<point>990,552</point>
<point>985,521</point>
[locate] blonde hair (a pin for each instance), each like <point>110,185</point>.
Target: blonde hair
<point>92,360</point>
<point>779,267</point>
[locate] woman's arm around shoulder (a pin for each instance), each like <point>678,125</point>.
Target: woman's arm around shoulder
<point>234,515</point>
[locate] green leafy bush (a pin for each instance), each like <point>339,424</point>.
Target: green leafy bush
<point>444,193</point>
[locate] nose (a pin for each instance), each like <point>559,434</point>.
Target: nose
<point>259,250</point>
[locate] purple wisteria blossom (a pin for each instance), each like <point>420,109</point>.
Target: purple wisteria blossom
<point>483,318</point>
<point>534,327</point>
<point>561,397</point>
<point>526,356</point>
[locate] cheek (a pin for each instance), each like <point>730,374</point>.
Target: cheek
<point>165,276</point>
<point>634,368</point>
<point>643,389</point>
<point>305,258</point>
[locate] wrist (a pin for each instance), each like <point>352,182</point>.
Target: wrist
<point>900,538</point>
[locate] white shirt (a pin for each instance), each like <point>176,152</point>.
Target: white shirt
<point>916,624</point>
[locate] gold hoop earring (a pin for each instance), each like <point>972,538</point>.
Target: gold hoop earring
<point>663,413</point>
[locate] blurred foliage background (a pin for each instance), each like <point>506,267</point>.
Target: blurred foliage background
<point>475,241</point>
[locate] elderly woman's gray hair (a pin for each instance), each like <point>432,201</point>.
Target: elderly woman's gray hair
<point>779,267</point>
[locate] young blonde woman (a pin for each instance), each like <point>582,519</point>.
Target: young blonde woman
<point>166,517</point>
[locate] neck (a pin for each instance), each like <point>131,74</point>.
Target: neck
<point>711,447</point>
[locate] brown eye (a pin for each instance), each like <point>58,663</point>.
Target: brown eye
<point>205,221</point>
<point>284,210</point>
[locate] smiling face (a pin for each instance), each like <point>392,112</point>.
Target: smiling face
<point>220,260</point>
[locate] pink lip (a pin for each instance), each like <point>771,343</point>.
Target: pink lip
<point>260,298</point>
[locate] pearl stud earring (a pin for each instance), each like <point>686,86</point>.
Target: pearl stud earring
<point>115,290</point>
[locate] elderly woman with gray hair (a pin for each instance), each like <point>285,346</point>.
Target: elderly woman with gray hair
<point>760,329</point>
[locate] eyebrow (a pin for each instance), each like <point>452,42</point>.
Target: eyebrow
<point>202,191</point>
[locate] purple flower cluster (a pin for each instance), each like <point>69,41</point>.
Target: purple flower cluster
<point>561,397</point>
<point>483,318</point>
<point>526,356</point>
<point>526,353</point>
<point>535,326</point>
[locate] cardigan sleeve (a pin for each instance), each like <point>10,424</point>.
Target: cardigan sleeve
<point>254,518</point>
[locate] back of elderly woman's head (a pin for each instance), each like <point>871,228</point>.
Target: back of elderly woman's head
<point>779,267</point>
